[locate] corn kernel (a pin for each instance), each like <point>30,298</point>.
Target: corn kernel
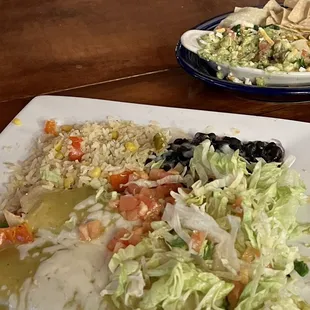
<point>58,146</point>
<point>17,122</point>
<point>131,147</point>
<point>59,155</point>
<point>68,182</point>
<point>115,135</point>
<point>95,173</point>
<point>66,128</point>
<point>220,30</point>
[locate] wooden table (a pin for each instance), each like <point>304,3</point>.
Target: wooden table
<point>120,50</point>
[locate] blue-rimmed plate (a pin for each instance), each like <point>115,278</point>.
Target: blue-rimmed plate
<point>199,68</point>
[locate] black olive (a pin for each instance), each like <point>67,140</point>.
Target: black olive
<point>148,160</point>
<point>234,143</point>
<point>199,137</point>
<point>218,144</point>
<point>173,156</point>
<point>249,150</point>
<point>185,147</point>
<point>272,153</point>
<point>188,154</point>
<point>212,136</point>
<point>169,165</point>
<point>180,141</point>
<point>259,148</point>
<point>174,147</point>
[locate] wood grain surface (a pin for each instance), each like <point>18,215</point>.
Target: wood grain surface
<point>120,50</point>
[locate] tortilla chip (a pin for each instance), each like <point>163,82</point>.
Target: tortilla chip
<point>299,11</point>
<point>273,5</point>
<point>290,3</point>
<point>285,21</point>
<point>277,17</point>
<point>237,9</point>
<point>250,15</point>
<point>270,21</point>
<point>305,22</point>
<point>301,45</point>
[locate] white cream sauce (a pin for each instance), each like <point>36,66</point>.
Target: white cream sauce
<point>75,272</point>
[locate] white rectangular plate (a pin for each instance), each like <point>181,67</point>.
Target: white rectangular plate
<point>15,141</point>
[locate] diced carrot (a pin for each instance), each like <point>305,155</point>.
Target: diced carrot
<point>15,235</point>
<point>234,295</point>
<point>128,203</point>
<point>197,239</point>
<point>51,127</point>
<point>117,180</point>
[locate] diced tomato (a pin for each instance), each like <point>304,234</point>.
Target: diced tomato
<point>170,200</point>
<point>94,229</point>
<point>76,152</point>
<point>111,245</point>
<point>142,210</point>
<point>132,215</point>
<point>234,295</point>
<point>197,239</point>
<point>90,230</point>
<point>116,180</point>
<point>118,242</point>
<point>163,191</point>
<point>51,127</point>
<point>121,233</point>
<point>156,174</point>
<point>136,236</point>
<point>128,203</point>
<point>264,46</point>
<point>147,192</point>
<point>147,199</point>
<point>146,226</point>
<point>76,140</point>
<point>119,245</point>
<point>16,235</point>
<point>304,53</point>
<point>133,189</point>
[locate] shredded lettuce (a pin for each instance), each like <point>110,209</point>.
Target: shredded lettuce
<point>175,280</point>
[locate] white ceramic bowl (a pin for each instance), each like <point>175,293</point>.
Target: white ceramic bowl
<point>189,41</point>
